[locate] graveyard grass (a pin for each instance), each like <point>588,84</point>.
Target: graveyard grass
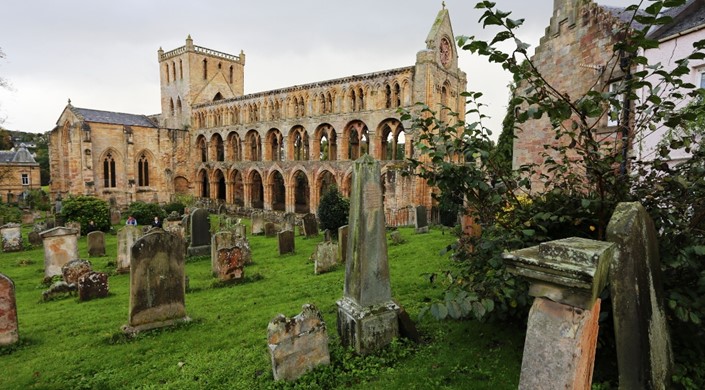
<point>69,344</point>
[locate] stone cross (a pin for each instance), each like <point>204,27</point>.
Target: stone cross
<point>367,316</point>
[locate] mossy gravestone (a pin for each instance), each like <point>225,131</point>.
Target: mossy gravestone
<point>9,330</point>
<point>367,316</point>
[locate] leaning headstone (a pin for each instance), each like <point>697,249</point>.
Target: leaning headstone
<point>367,316</point>
<point>299,344</point>
<point>342,243</point>
<point>9,328</point>
<point>75,226</point>
<point>92,285</point>
<point>310,224</point>
<point>157,282</point>
<point>11,237</point>
<point>74,269</point>
<point>644,354</point>
<point>566,278</point>
<point>126,237</point>
<point>421,221</point>
<point>289,222</point>
<point>34,238</point>
<point>115,217</point>
<point>96,243</point>
<point>200,233</point>
<point>230,263</point>
<point>287,244</point>
<point>270,229</point>
<point>257,223</point>
<point>326,257</point>
<point>59,289</point>
<point>60,247</point>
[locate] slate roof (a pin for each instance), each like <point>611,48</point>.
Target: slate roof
<point>21,155</point>
<point>113,118</point>
<point>688,16</point>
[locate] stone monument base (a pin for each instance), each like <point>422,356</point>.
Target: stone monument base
<point>369,328</point>
<point>133,330</point>
<point>203,250</point>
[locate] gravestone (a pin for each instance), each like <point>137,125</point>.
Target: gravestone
<point>60,247</point>
<point>74,269</point>
<point>92,285</point>
<point>75,226</point>
<point>11,237</point>
<point>228,239</point>
<point>326,257</point>
<point>34,238</point>
<point>27,218</point>
<point>9,328</point>
<point>421,221</point>
<point>396,237</point>
<point>367,316</point>
<point>342,243</point>
<point>299,344</point>
<point>50,224</point>
<point>200,233</point>
<point>126,237</point>
<point>289,222</point>
<point>287,243</point>
<point>115,217</point>
<point>257,223</point>
<point>310,224</point>
<point>644,354</point>
<point>240,230</point>
<point>39,227</point>
<point>230,263</point>
<point>566,279</point>
<point>96,243</point>
<point>327,236</point>
<point>157,282</point>
<point>270,229</point>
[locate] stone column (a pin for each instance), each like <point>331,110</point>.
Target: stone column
<point>247,193</point>
<point>567,277</point>
<point>367,316</point>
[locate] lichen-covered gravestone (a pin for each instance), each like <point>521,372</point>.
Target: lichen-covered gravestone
<point>9,328</point>
<point>60,247</point>
<point>228,239</point>
<point>11,235</point>
<point>286,241</point>
<point>96,243</point>
<point>93,285</point>
<point>299,344</point>
<point>200,231</point>
<point>289,221</point>
<point>326,257</point>
<point>230,263</point>
<point>126,238</point>
<point>157,282</point>
<point>367,316</point>
<point>74,269</point>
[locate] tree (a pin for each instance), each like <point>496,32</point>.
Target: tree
<point>333,210</point>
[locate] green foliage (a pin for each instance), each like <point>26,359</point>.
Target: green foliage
<point>83,209</point>
<point>145,212</point>
<point>39,200</point>
<point>10,213</point>
<point>174,206</point>
<point>333,210</point>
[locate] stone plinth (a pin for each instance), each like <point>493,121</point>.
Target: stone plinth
<point>567,277</point>
<point>367,328</point>
<point>60,247</point>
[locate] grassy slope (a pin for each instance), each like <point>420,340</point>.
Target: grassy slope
<point>67,344</point>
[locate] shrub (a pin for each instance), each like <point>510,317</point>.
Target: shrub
<point>174,206</point>
<point>145,212</point>
<point>333,210</point>
<point>10,213</point>
<point>83,209</point>
<point>39,200</point>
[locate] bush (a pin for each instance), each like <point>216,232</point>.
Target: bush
<point>145,212</point>
<point>174,206</point>
<point>333,210</point>
<point>10,213</point>
<point>83,209</point>
<point>39,200</point>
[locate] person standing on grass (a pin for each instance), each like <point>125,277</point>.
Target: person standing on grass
<point>131,221</point>
<point>156,222</point>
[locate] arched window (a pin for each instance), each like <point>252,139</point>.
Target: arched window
<point>173,70</point>
<point>167,72</point>
<point>109,177</point>
<point>205,69</point>
<point>143,171</point>
<point>178,105</point>
<point>231,74</point>
<point>181,70</point>
<point>397,95</point>
<point>388,97</point>
<point>171,107</point>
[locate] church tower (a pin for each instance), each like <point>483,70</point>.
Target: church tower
<point>192,75</point>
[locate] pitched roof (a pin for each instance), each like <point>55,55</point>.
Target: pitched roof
<point>686,17</point>
<point>114,118</point>
<point>21,155</point>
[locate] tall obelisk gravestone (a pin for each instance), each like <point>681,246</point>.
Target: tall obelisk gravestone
<point>367,316</point>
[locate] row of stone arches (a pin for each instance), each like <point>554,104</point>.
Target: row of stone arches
<point>390,94</point>
<point>389,142</point>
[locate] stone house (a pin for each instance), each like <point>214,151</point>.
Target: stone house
<point>275,150</point>
<point>19,173</point>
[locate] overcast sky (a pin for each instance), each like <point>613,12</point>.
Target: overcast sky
<point>103,54</point>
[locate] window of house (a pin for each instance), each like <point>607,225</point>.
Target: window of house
<point>25,179</point>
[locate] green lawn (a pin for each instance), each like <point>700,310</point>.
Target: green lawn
<point>65,344</point>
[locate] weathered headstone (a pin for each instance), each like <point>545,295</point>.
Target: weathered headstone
<point>96,243</point>
<point>230,263</point>
<point>310,224</point>
<point>74,269</point>
<point>343,243</point>
<point>257,223</point>
<point>93,285</point>
<point>34,238</point>
<point>50,223</point>
<point>644,354</point>
<point>287,244</point>
<point>396,237</point>
<point>421,221</point>
<point>75,226</point>
<point>567,277</point>
<point>9,328</point>
<point>270,229</point>
<point>228,239</point>
<point>27,218</point>
<point>157,282</point>
<point>289,222</point>
<point>240,230</point>
<point>11,237</point>
<point>327,236</point>
<point>39,227</point>
<point>126,237</point>
<point>115,217</point>
<point>299,344</point>
<point>367,316</point>
<point>60,247</point>
<point>200,233</point>
<point>326,257</point>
